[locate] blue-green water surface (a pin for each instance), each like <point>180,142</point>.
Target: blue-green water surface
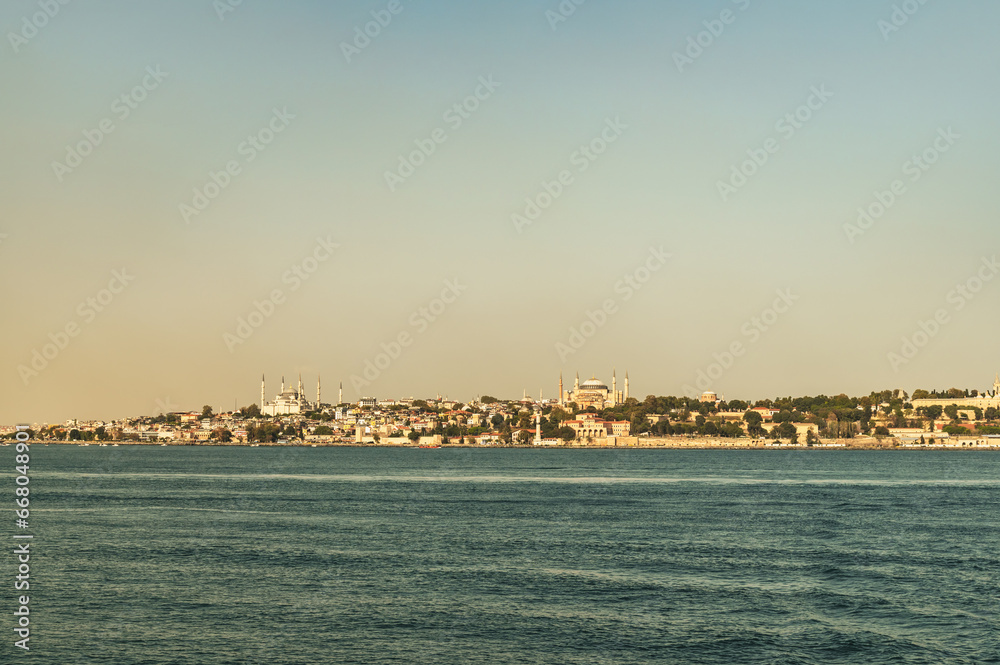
<point>209,555</point>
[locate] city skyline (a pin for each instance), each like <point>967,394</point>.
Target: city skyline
<point>287,394</point>
<point>445,199</point>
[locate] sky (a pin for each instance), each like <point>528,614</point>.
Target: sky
<point>420,198</point>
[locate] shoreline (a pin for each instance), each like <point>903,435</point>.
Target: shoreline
<point>651,444</point>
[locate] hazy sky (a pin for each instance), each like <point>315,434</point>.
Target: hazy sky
<point>697,169</point>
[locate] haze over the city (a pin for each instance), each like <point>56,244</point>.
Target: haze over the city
<point>470,198</point>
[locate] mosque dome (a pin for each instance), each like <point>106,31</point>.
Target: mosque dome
<point>593,384</point>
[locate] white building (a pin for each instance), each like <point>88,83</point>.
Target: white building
<point>288,402</point>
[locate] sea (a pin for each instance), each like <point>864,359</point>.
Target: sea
<point>274,555</point>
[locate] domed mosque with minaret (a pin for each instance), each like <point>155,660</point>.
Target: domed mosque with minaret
<point>594,392</point>
<point>289,401</point>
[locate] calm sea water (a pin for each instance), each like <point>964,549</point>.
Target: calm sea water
<point>349,555</point>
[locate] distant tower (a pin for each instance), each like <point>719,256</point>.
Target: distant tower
<point>560,390</point>
<point>319,398</point>
<point>626,385</point>
<point>614,387</point>
<point>340,394</point>
<point>301,392</point>
<point>576,385</point>
<point>539,395</point>
<point>996,386</point>
<point>538,428</point>
<point>262,393</point>
<point>282,383</point>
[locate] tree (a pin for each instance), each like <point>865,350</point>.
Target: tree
<point>101,433</point>
<point>413,436</point>
<point>753,421</point>
<point>785,430</point>
<point>323,430</point>
<point>252,411</point>
<point>951,411</point>
<point>206,411</point>
<point>934,412</point>
<point>881,432</point>
<point>992,413</point>
<point>524,436</point>
<point>488,399</point>
<point>921,394</point>
<point>222,434</point>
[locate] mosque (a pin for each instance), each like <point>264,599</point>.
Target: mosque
<point>593,392</point>
<point>288,402</point>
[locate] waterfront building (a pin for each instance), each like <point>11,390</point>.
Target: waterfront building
<point>589,426</point>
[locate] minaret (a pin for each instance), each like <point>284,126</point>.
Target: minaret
<point>576,385</point>
<point>340,394</point>
<point>262,393</point>
<point>560,390</point>
<point>319,399</point>
<point>626,385</point>
<point>301,392</point>
<point>538,428</point>
<point>282,383</point>
<point>614,387</point>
